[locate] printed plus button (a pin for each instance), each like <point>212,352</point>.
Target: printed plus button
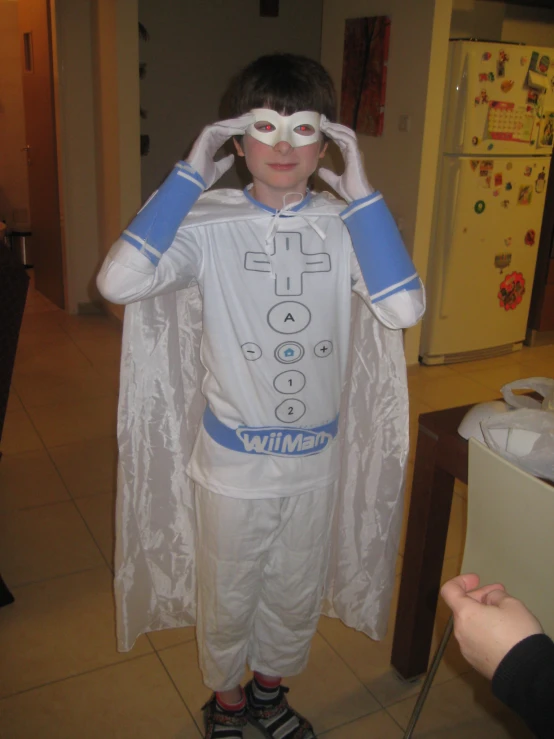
<point>290,411</point>
<point>323,349</point>
<point>289,382</point>
<point>251,351</point>
<point>289,352</point>
<point>289,317</point>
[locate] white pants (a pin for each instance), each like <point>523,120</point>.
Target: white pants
<point>261,567</point>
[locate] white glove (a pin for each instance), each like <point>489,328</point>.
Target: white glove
<point>352,183</point>
<point>201,156</point>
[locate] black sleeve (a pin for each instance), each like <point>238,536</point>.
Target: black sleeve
<point>524,681</point>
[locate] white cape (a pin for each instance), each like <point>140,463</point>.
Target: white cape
<point>160,409</point>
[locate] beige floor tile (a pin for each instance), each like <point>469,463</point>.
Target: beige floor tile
<point>99,514</point>
<point>171,637</point>
<point>420,377</point>
<point>48,354</point>
<point>59,628</point>
<point>135,700</point>
<point>66,423</point>
<point>44,542</point>
<point>507,360</point>
<point>448,392</point>
<point>14,403</point>
<point>88,467</point>
<point>19,434</point>
<point>29,479</point>
<point>463,708</point>
<point>496,378</point>
<point>60,384</point>
<point>539,367</point>
<point>376,726</point>
<point>92,327</point>
<point>100,352</point>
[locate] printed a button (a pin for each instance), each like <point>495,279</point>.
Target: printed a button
<point>290,411</point>
<point>323,349</point>
<point>289,317</point>
<point>251,351</point>
<point>289,382</point>
<point>289,352</point>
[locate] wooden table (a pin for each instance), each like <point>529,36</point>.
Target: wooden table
<point>441,457</point>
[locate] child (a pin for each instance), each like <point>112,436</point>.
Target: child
<point>247,504</point>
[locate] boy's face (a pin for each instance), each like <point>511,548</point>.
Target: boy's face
<point>279,168</point>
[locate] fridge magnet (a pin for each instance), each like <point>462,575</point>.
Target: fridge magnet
<point>539,63</point>
<point>491,76</point>
<point>490,147</point>
<point>512,290</point>
<point>546,133</point>
<point>475,140</point>
<point>532,97</point>
<point>484,96</point>
<point>501,261</point>
<point>508,241</point>
<point>523,61</point>
<point>477,101</point>
<point>509,165</point>
<point>501,63</point>
<point>479,207</point>
<point>364,74</point>
<point>486,56</point>
<point>509,186</point>
<point>540,182</point>
<point>483,77</point>
<point>507,85</point>
<point>525,195</point>
<point>505,203</point>
<point>530,237</point>
<point>473,163</point>
<point>528,171</point>
<point>496,193</point>
<point>498,179</point>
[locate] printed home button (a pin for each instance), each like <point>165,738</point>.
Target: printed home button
<point>251,351</point>
<point>289,382</point>
<point>289,352</point>
<point>290,411</point>
<point>323,349</point>
<point>289,317</point>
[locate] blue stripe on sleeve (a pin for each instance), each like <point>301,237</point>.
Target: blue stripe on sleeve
<point>154,227</point>
<point>385,264</point>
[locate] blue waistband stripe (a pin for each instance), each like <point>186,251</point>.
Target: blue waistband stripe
<point>278,441</point>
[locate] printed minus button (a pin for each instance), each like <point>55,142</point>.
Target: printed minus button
<point>323,349</point>
<point>251,351</point>
<point>289,352</point>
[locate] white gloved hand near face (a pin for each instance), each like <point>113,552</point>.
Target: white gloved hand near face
<point>212,138</point>
<point>352,184</point>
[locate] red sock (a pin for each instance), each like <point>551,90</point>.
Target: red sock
<point>267,682</point>
<point>231,706</point>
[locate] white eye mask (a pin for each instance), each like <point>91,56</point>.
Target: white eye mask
<point>285,127</point>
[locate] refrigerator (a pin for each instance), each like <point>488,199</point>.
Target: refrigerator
<point>496,145</point>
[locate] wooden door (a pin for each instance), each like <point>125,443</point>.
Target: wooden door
<point>45,244</point>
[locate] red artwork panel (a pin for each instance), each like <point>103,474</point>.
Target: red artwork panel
<point>364,74</point>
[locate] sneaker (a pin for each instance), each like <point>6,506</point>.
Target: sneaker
<point>221,723</point>
<point>276,720</point>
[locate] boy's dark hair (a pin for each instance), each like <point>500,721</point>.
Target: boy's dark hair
<point>286,83</point>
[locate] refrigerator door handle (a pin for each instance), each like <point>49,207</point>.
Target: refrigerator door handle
<point>446,280</point>
<point>463,103</point>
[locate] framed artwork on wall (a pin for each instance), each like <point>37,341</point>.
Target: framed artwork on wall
<point>364,74</point>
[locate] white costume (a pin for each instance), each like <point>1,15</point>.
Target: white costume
<point>251,310</point>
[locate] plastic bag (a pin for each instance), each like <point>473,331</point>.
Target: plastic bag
<point>542,385</point>
<point>524,437</point>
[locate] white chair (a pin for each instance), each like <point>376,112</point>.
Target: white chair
<point>509,539</point>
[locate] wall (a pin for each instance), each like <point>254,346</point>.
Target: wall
<point>495,21</point>
<point>97,57</point>
<point>14,195</point>
<point>402,165</point>
<point>194,50</point>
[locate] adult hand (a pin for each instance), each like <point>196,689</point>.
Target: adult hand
<point>487,621</point>
<point>201,156</point>
<point>352,184</point>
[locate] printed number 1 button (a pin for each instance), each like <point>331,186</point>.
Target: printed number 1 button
<point>290,411</point>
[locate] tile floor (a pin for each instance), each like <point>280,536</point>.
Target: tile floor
<point>60,673</point>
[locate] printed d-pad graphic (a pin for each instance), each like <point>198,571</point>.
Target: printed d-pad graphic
<point>288,262</point>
